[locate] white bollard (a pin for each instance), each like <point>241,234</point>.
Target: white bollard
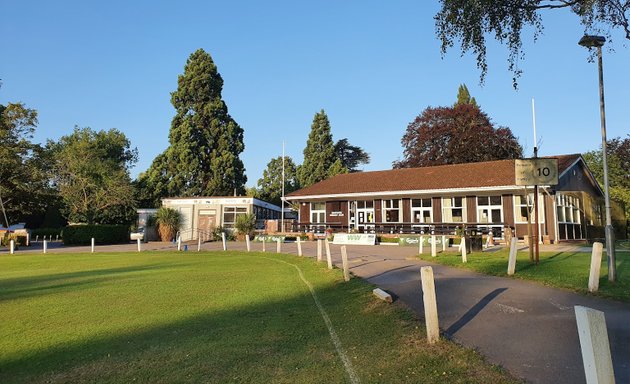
<point>433,246</point>
<point>57,238</point>
<point>92,243</point>
<point>45,249</point>
<point>12,246</point>
<point>223,240</point>
<point>299,245</point>
<point>328,256</point>
<point>421,246</point>
<point>198,243</point>
<point>179,243</point>
<point>596,264</point>
<point>247,244</point>
<point>36,238</point>
<point>139,246</point>
<point>28,239</point>
<point>443,243</point>
<point>264,241</point>
<point>595,346</point>
<point>319,250</point>
<point>430,305</point>
<point>278,246</point>
<point>512,258</point>
<point>462,246</point>
<point>344,263</point>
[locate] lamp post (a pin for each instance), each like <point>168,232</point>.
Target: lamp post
<point>598,42</point>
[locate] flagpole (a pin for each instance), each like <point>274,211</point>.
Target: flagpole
<point>282,206</point>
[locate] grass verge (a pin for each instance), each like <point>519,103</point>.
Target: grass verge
<point>208,317</point>
<point>557,269</point>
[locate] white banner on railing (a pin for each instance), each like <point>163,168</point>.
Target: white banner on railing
<point>355,238</point>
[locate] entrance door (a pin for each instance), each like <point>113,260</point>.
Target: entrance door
<point>206,225</point>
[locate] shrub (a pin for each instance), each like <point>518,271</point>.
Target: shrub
<point>102,234</point>
<point>216,234</point>
<point>245,224</point>
<point>168,221</point>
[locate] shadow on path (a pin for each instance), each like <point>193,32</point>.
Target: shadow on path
<point>472,312</point>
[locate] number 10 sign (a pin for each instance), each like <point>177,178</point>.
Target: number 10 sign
<point>540,171</point>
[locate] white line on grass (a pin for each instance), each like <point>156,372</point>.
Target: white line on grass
<point>333,335</point>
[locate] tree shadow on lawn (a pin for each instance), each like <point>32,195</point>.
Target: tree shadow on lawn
<point>258,343</point>
<point>31,286</point>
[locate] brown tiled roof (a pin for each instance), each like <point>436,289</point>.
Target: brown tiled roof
<point>453,176</point>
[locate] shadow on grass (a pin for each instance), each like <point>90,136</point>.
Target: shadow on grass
<point>49,284</point>
<point>474,311</point>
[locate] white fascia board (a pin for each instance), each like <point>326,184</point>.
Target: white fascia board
<point>209,200</point>
<point>261,203</point>
<point>409,192</point>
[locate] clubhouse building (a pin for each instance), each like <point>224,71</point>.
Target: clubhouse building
<point>483,196</point>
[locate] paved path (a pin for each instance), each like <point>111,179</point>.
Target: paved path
<point>525,327</point>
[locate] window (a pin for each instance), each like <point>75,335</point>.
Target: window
<point>391,210</point>
<point>421,211</point>
<point>453,209</point>
<point>489,209</point>
<point>318,212</point>
<point>229,215</point>
<point>568,209</point>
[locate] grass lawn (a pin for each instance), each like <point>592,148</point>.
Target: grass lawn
<point>216,317</point>
<point>558,269</point>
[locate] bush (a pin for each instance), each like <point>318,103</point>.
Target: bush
<point>168,221</point>
<point>102,234</point>
<point>216,234</point>
<point>245,224</point>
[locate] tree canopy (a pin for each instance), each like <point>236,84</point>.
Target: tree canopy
<point>91,171</point>
<point>452,135</point>
<point>205,141</point>
<point>270,185</point>
<point>471,21</point>
<point>463,96</point>
<point>350,155</point>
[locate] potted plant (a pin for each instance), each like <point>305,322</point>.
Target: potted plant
<point>168,222</point>
<point>245,225</point>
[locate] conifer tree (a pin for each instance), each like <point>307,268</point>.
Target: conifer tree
<point>319,154</point>
<point>205,142</point>
<point>463,96</point>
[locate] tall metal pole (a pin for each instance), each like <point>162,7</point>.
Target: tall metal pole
<point>610,233</point>
<point>282,205</point>
<point>537,229</point>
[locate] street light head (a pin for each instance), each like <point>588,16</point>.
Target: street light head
<point>592,41</point>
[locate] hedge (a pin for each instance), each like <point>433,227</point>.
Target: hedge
<point>41,232</point>
<point>102,234</point>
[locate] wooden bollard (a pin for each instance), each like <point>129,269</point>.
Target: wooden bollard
<point>433,246</point>
<point>344,263</point>
<point>299,245</point>
<point>28,239</point>
<point>198,243</point>
<point>430,305</point>
<point>328,256</point>
<point>91,243</point>
<point>278,246</point>
<point>319,250</point>
<point>421,245</point>
<point>179,243</point>
<point>12,246</point>
<point>443,243</point>
<point>462,245</point>
<point>224,241</point>
<point>595,346</point>
<point>247,244</point>
<point>45,247</point>
<point>512,257</point>
<point>596,264</point>
<point>264,241</point>
<point>139,246</point>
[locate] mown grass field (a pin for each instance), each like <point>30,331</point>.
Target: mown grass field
<point>222,317</point>
<point>557,269</point>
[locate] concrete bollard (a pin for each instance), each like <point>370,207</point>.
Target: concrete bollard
<point>91,245</point>
<point>247,244</point>
<point>595,346</point>
<point>139,246</point>
<point>462,246</point>
<point>278,246</point>
<point>264,242</point>
<point>224,241</point>
<point>344,263</point>
<point>421,246</point>
<point>328,256</point>
<point>57,238</point>
<point>45,247</point>
<point>319,250</point>
<point>596,264</point>
<point>512,258</point>
<point>430,305</point>
<point>12,246</point>
<point>433,246</point>
<point>198,243</point>
<point>28,239</point>
<point>443,243</point>
<point>179,243</point>
<point>299,245</point>
<point>36,238</point>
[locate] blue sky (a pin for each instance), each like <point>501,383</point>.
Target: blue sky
<point>373,66</point>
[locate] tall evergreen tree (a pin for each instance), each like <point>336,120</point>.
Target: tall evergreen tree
<point>350,155</point>
<point>319,154</point>
<point>463,96</point>
<point>270,183</point>
<point>205,142</point>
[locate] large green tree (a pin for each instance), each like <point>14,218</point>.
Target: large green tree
<point>350,155</point>
<point>205,141</point>
<point>270,184</point>
<point>618,160</point>
<point>24,189</point>
<point>91,171</point>
<point>452,135</point>
<point>471,22</point>
<point>319,154</point>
